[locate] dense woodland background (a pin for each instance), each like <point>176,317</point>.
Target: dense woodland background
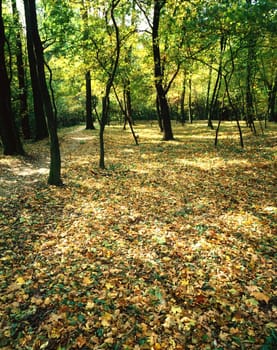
<point>68,62</point>
<point>152,238</point>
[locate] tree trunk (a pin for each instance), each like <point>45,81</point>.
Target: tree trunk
<point>207,107</point>
<point>24,115</point>
<point>158,72</point>
<point>41,131</point>
<point>213,110</point>
<point>128,103</point>
<point>272,114</point>
<point>9,134</point>
<point>109,84</point>
<point>33,35</point>
<point>89,119</point>
<point>182,100</point>
<point>251,54</point>
<point>190,102</point>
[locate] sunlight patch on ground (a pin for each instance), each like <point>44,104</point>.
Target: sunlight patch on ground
<point>83,138</point>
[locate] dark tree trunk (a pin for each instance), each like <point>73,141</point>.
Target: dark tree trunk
<point>105,101</point>
<point>33,35</point>
<point>128,103</point>
<point>103,123</point>
<point>158,72</point>
<point>182,100</point>
<point>190,102</point>
<point>207,106</point>
<point>213,110</point>
<point>251,55</point>
<point>272,114</point>
<point>24,115</point>
<point>232,105</point>
<point>9,134</point>
<point>41,130</point>
<point>89,119</point>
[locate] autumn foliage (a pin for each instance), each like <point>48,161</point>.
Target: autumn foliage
<point>172,246</point>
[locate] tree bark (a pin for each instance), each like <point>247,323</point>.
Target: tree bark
<point>213,110</point>
<point>41,131</point>
<point>207,107</point>
<point>272,114</point>
<point>159,74</point>
<point>109,84</point>
<point>190,102</point>
<point>249,78</point>
<point>182,100</point>
<point>9,134</point>
<point>24,114</point>
<point>35,42</point>
<point>89,120</point>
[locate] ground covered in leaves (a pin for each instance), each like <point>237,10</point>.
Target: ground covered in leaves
<point>171,247</point>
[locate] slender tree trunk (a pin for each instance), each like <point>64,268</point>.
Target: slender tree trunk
<point>89,119</point>
<point>109,84</point>
<point>158,72</point>
<point>190,102</point>
<point>207,106</point>
<point>128,101</point>
<point>33,35</point>
<point>103,123</point>
<point>213,110</point>
<point>24,115</point>
<point>182,100</point>
<point>9,134</point>
<point>251,55</point>
<point>234,108</point>
<point>272,114</point>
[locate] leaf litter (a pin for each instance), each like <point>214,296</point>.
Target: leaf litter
<point>171,247</point>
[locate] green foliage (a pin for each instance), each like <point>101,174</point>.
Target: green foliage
<point>271,341</point>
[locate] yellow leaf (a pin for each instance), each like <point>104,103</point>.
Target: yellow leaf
<point>90,305</point>
<point>169,322</point>
<point>47,301</point>
<point>184,282</point>
<point>252,288</point>
<point>109,340</point>
<point>55,333</point>
<point>260,296</point>
<point>109,285</point>
<point>143,328</point>
<point>86,281</point>
<point>176,309</point>
<point>106,319</point>
<point>36,300</point>
<point>20,280</point>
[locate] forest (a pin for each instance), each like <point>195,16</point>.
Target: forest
<point>138,174</point>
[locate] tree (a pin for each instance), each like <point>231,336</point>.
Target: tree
<point>159,72</point>
<point>24,114</point>
<point>35,45</point>
<point>89,118</point>
<point>41,130</point>
<point>109,82</point>
<point>9,133</point>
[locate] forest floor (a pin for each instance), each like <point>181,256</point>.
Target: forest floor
<point>173,246</point>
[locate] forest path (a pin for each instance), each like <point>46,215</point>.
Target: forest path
<point>20,173</point>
